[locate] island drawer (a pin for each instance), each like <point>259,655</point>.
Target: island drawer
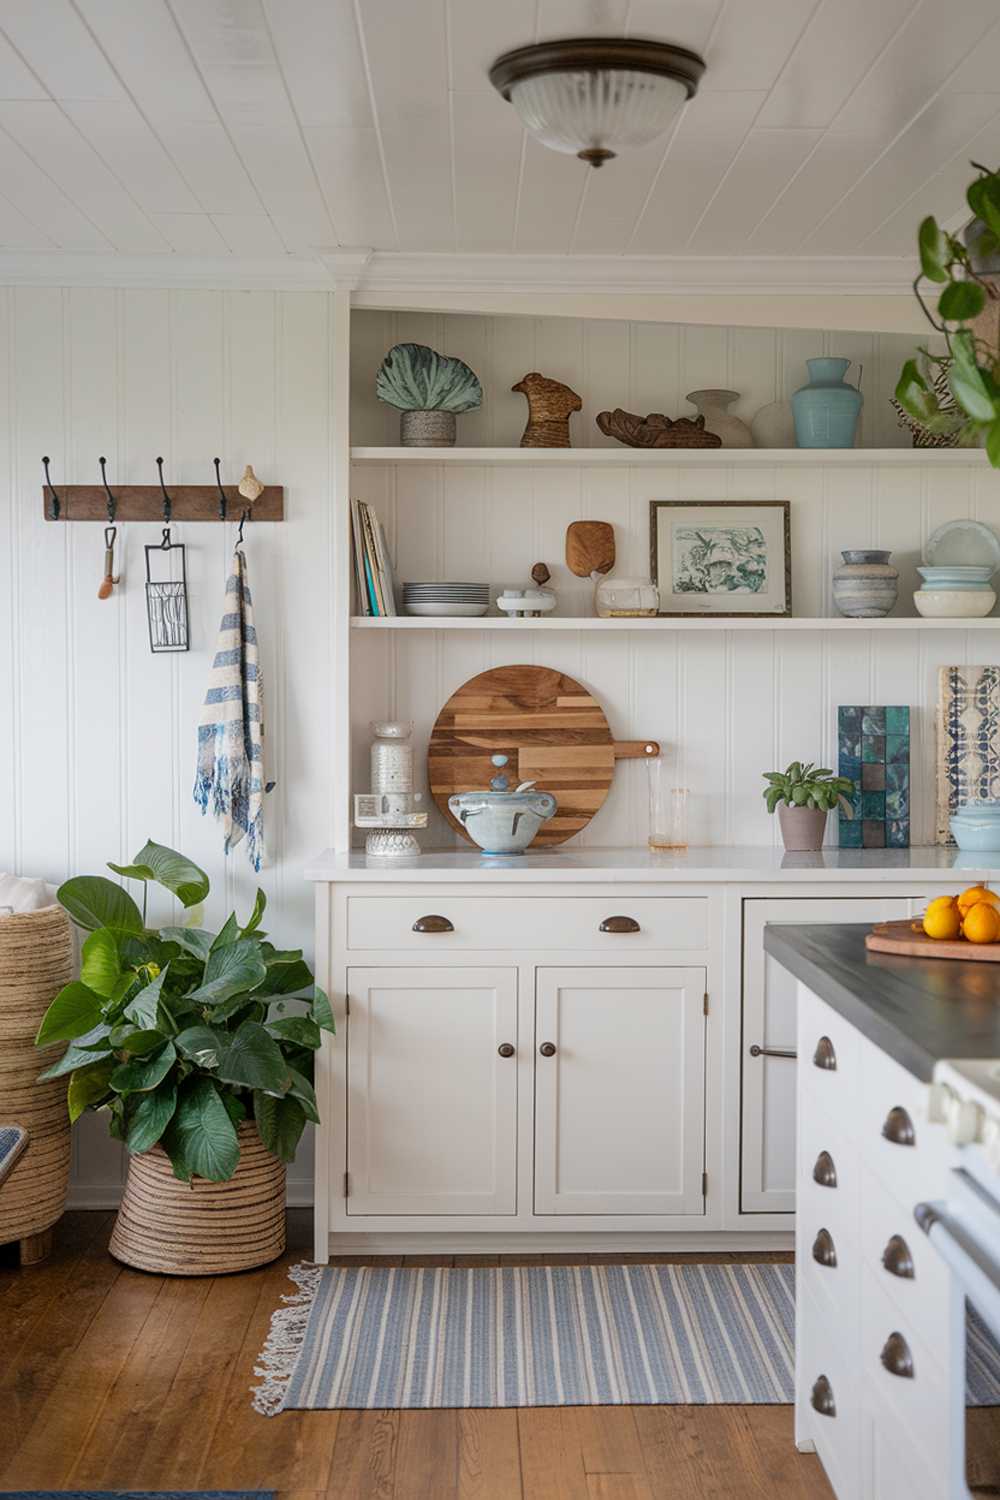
<point>827,1379</point>
<point>614,925</point>
<point>901,1369</point>
<point>829,1189</point>
<point>903,1261</point>
<point>829,1053</point>
<point>894,1133</point>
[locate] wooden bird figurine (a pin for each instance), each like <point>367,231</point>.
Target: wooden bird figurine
<point>550,404</point>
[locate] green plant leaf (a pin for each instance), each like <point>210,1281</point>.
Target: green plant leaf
<point>988,199</point>
<point>228,933</point>
<point>79,1053</point>
<point>231,970</point>
<point>414,377</point>
<point>299,1029</point>
<point>257,915</point>
<point>94,901</point>
<point>201,1139</point>
<point>993,443</point>
<point>846,809</point>
<point>302,1090</point>
<point>287,973</point>
<point>252,1059</point>
<point>913,393</point>
<point>75,1009</point>
<point>194,940</point>
<point>150,1117</point>
<point>144,1073</point>
<point>971,394</point>
<point>89,1086</point>
<point>179,875</point>
<point>280,1123</point>
<point>932,243</point>
<point>322,1011</point>
<point>961,301</point>
<point>143,1008</point>
<point>201,1044</point>
<point>235,1107</point>
<point>136,1043</point>
<point>100,968</point>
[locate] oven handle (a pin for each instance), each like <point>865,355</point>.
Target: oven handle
<point>979,1275</point>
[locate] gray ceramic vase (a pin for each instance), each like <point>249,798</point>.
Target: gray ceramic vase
<point>801,827</point>
<point>865,586</point>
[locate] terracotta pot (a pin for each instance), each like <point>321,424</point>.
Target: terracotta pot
<point>801,827</point>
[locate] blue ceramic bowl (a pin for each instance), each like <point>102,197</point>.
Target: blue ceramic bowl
<point>976,826</point>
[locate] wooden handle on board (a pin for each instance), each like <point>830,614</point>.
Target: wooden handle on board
<point>636,749</point>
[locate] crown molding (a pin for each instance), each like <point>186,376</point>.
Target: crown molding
<point>288,273</point>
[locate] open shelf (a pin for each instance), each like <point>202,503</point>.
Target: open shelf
<point>680,457</point>
<point>697,622</point>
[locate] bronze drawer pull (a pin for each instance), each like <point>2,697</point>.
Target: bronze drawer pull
<point>619,924</point>
<point>898,1127</point>
<point>824,1252</point>
<point>896,1356</point>
<point>758,1051</point>
<point>548,1049</point>
<point>506,1049</point>
<point>825,1057</point>
<point>897,1260</point>
<point>433,924</point>
<point>824,1172</point>
<point>821,1399</point>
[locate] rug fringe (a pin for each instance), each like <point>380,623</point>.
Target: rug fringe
<point>285,1339</point>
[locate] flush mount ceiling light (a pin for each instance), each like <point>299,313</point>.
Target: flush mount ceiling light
<point>592,96</point>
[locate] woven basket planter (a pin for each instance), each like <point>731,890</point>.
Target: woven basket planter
<point>202,1228</point>
<point>36,960</point>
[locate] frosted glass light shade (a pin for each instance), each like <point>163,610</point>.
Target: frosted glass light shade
<point>592,97</point>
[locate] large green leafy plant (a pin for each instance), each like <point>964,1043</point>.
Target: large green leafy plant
<point>179,1033</point>
<point>970,363</point>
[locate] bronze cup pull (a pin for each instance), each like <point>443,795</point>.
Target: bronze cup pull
<point>825,1057</point>
<point>821,1399</point>
<point>898,1127</point>
<point>619,924</point>
<point>433,924</point>
<point>548,1049</point>
<point>896,1356</point>
<point>897,1260</point>
<point>824,1252</point>
<point>824,1171</point>
<point>506,1049</point>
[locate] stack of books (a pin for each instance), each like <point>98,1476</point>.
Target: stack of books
<point>373,576</point>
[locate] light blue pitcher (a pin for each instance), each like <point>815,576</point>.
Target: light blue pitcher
<point>826,410</point>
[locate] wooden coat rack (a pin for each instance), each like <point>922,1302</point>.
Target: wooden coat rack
<point>145,502</point>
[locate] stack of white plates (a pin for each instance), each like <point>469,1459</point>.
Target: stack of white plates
<point>446,598</point>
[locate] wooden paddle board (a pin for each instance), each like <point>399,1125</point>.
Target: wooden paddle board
<point>899,937</point>
<point>553,731</point>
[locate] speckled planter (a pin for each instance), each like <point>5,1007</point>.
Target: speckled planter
<point>801,827</point>
<point>427,429</point>
<point>865,586</point>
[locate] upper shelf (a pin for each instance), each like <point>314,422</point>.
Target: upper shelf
<point>666,622</point>
<point>681,457</point>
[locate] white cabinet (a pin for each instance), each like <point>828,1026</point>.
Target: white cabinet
<point>767,1176</point>
<point>432,1090</point>
<point>619,1090</point>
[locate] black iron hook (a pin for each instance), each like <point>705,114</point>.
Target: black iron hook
<point>112,502</point>
<point>56,502</point>
<point>167,502</point>
<point>223,502</point>
<point>239,535</point>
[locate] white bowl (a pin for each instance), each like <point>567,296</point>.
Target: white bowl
<point>954,604</point>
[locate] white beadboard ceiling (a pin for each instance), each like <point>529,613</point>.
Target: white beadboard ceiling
<point>256,128</point>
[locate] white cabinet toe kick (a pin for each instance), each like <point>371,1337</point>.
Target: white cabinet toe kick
<point>555,1065</point>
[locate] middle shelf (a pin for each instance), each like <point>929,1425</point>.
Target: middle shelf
<point>667,622</point>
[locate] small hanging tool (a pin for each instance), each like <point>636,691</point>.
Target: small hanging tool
<point>110,533</point>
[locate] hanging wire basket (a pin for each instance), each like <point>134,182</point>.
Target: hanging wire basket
<point>166,599</point>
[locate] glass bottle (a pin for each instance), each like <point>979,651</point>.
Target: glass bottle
<point>667,808</point>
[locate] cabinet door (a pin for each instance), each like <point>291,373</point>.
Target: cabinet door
<point>620,1102</point>
<point>767,1168</point>
<point>431,1103</point>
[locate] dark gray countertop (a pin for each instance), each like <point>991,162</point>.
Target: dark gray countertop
<point>918,1010</point>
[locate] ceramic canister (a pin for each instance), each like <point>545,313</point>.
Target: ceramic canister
<point>391,757</point>
<point>865,586</point>
<point>827,409</point>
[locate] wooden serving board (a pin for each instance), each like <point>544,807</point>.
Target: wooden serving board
<point>553,731</point>
<point>899,937</point>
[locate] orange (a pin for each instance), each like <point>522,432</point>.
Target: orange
<point>974,895</point>
<point>982,923</point>
<point>943,922</point>
<point>942,903</point>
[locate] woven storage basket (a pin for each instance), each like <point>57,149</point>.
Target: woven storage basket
<point>36,960</point>
<point>205,1228</point>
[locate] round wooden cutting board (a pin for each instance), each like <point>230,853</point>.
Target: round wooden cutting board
<point>554,732</point>
<point>899,937</point>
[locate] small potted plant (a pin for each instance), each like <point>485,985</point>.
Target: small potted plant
<point>199,1046</point>
<point>428,388</point>
<point>803,795</point>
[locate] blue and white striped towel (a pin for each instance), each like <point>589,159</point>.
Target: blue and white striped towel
<point>230,771</point>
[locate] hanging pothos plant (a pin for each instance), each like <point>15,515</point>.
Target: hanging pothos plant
<point>972,364</point>
<point>179,1033</point>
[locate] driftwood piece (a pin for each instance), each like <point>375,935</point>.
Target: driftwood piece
<point>590,547</point>
<point>656,430</point>
<point>550,404</point>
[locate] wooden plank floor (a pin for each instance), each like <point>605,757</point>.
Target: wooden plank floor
<point>113,1379</point>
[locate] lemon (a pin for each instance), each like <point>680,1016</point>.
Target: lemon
<point>942,903</point>
<point>982,923</point>
<point>974,895</point>
<point>943,921</point>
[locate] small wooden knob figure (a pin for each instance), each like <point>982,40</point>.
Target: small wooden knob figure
<point>550,404</point>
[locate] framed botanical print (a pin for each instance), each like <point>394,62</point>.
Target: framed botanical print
<point>721,557</point>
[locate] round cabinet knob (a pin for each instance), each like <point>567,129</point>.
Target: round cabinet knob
<point>821,1399</point>
<point>506,1049</point>
<point>896,1356</point>
<point>897,1128</point>
<point>548,1049</point>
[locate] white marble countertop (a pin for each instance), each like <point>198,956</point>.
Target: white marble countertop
<point>718,864</point>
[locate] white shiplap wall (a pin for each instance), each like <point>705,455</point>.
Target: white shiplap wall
<point>727,705</point>
<point>97,736</point>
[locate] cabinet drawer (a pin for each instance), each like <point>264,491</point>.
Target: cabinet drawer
<point>436,924</point>
<point>889,1468</point>
<point>895,1136</point>
<point>828,1050</point>
<point>826,1376</point>
<point>903,1261</point>
<point>828,1154</point>
<point>829,1266</point>
<point>906,1377</point>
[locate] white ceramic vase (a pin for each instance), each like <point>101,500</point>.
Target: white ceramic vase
<point>712,405</point>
